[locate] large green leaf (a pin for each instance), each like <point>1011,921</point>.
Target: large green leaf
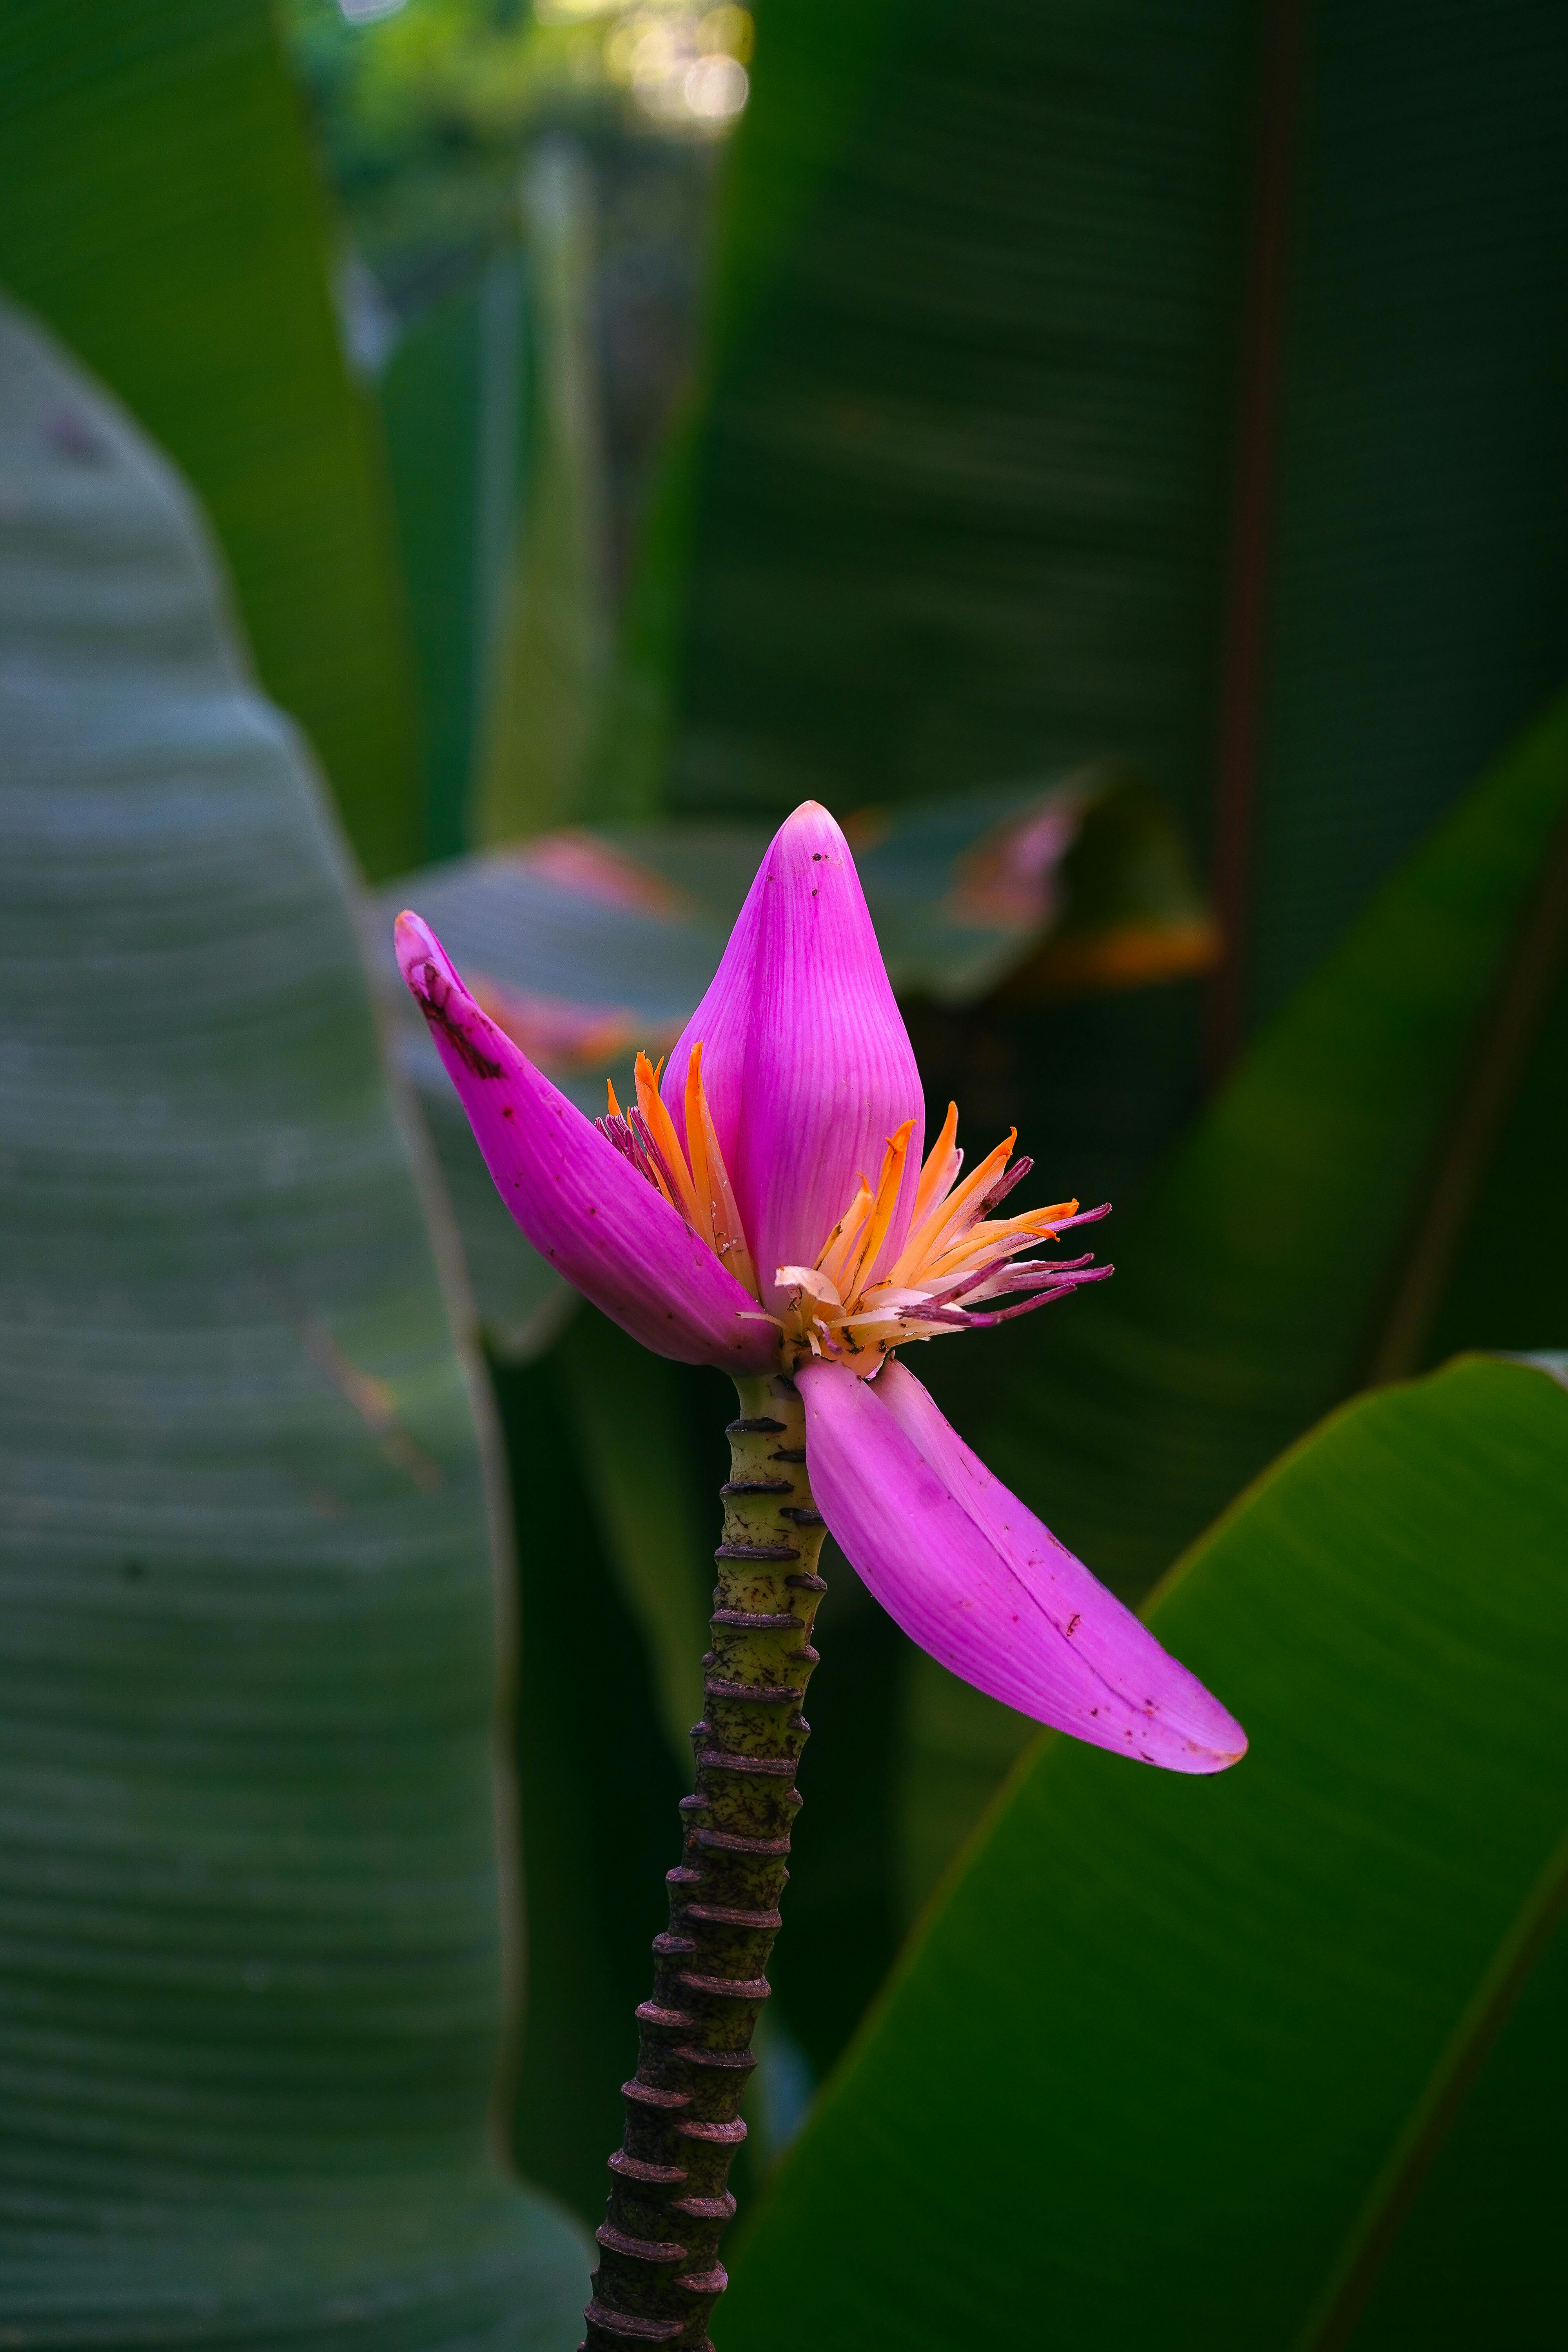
<point>253,1924</point>
<point>1269,2061</point>
<point>163,214</point>
<point>1418,565</point>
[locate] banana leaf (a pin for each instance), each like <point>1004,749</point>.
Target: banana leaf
<point>1273,2060</point>
<point>164,215</point>
<point>260,1961</point>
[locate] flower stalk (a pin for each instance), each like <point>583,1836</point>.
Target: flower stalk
<point>659,2273</point>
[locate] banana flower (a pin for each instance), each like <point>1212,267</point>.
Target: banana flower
<point>765,1204</point>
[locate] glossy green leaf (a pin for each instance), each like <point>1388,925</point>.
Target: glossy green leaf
<point>254,1932</point>
<point>1417,583</point>
<point>1193,2062</point>
<point>164,215</point>
<point>954,485</point>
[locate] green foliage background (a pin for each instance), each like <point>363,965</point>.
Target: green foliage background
<point>964,494</point>
<point>1181,389</point>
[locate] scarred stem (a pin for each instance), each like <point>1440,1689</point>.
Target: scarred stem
<point>660,2275</point>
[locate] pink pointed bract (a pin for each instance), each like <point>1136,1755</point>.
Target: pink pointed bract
<point>765,1205</point>
<point>975,1579</point>
<point>581,1206</point>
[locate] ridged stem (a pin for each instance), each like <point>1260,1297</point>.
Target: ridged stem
<point>660,2275</point>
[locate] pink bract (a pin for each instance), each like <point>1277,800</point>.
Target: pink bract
<point>978,1581</point>
<point>806,1061</point>
<point>575,1198</point>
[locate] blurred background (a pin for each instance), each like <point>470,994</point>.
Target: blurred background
<point>501,457</point>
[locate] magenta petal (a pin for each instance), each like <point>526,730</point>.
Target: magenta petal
<point>830,1073</point>
<point>978,1581</point>
<point>720,1025</point>
<point>594,1217</point>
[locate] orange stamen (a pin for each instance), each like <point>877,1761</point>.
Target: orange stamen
<point>942,1162</point>
<point>718,1217</point>
<point>883,1207</point>
<point>844,1308</point>
<point>697,1146</point>
<point>661,1126</point>
<point>834,1254</point>
<point>1036,1226</point>
<point>947,1219</point>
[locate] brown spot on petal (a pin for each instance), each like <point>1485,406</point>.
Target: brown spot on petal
<point>432,999</point>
